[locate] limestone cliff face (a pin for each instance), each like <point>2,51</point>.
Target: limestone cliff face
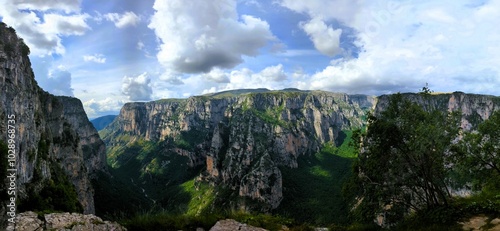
<point>474,108</point>
<point>242,138</point>
<point>51,132</point>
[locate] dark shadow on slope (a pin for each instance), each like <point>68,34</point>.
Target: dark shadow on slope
<point>147,178</point>
<point>313,192</point>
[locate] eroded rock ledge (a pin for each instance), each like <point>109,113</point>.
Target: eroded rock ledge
<point>30,221</point>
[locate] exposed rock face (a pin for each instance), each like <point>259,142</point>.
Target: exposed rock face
<point>231,225</point>
<point>242,139</point>
<point>51,132</point>
<point>29,221</point>
<point>474,108</point>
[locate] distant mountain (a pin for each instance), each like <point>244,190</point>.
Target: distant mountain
<point>247,148</point>
<point>103,121</point>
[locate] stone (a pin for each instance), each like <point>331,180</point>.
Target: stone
<point>28,221</point>
<point>232,225</point>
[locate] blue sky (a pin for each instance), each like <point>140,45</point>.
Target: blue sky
<point>108,53</point>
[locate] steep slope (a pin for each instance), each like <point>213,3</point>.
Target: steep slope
<point>57,150</point>
<point>239,140</point>
<point>474,108</point>
<point>103,121</point>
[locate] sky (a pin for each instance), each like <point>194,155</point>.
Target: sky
<point>107,53</point>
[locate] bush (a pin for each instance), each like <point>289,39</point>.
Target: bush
<point>25,50</point>
<point>8,49</point>
<point>58,195</point>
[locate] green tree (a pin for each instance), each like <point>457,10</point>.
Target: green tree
<point>403,159</point>
<point>478,153</point>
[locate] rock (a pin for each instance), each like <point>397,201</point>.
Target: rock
<point>232,225</point>
<point>51,133</point>
<point>474,108</point>
<point>244,137</point>
<point>481,223</point>
<point>28,221</point>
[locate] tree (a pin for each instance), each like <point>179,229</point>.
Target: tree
<point>478,153</point>
<point>403,159</point>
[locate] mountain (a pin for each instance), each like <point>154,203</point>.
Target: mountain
<point>474,108</point>
<point>284,152</point>
<point>230,149</point>
<point>103,121</point>
<point>57,150</point>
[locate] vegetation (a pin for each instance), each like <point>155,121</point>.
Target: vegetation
<point>403,165</point>
<point>409,162</point>
<point>57,195</point>
<point>401,168</point>
<point>478,153</point>
<point>25,50</point>
<point>312,192</point>
<point>169,221</point>
<point>3,169</point>
<point>148,175</point>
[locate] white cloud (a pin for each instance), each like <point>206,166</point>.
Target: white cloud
<point>55,80</point>
<point>97,58</point>
<point>137,88</point>
<point>326,40</point>
<point>274,73</point>
<point>123,20</point>
<point>67,6</point>
<point>43,32</point>
<point>199,35</point>
<point>95,108</point>
<point>405,44</point>
<point>217,75</point>
<point>59,82</point>
<point>343,10</point>
<point>140,45</point>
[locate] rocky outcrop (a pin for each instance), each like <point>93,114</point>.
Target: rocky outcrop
<point>30,221</point>
<point>242,137</point>
<point>473,108</point>
<point>481,222</point>
<point>51,133</point>
<point>231,225</point>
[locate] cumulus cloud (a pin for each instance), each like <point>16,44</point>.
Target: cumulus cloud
<point>95,108</point>
<point>58,82</point>
<point>326,40</point>
<point>217,75</point>
<point>200,35</point>
<point>96,58</point>
<point>123,20</point>
<point>43,31</point>
<point>274,73</point>
<point>137,88</point>
<point>408,43</point>
<point>67,6</point>
<point>55,80</point>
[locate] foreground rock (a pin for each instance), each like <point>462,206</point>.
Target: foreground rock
<point>29,221</point>
<point>481,223</point>
<point>231,225</point>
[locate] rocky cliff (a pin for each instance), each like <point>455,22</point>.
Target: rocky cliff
<point>242,137</point>
<point>474,108</point>
<point>57,150</point>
